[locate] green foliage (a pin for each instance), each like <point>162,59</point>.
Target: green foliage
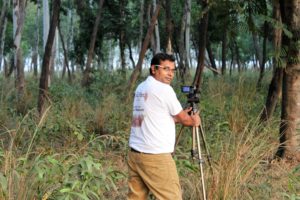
<point>77,150</point>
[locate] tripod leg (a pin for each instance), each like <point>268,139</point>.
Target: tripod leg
<point>193,150</point>
<point>206,149</point>
<point>200,163</point>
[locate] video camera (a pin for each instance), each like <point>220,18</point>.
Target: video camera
<point>192,94</point>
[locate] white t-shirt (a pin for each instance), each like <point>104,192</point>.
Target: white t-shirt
<point>153,127</point>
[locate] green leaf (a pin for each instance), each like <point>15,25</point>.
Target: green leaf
<point>3,182</point>
<point>80,137</point>
<point>65,190</point>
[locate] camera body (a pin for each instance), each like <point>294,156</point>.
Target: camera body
<point>192,94</point>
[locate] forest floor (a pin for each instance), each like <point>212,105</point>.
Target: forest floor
<point>78,148</point>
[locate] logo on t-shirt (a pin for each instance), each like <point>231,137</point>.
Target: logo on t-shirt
<point>138,109</point>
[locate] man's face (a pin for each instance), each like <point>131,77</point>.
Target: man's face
<point>164,72</point>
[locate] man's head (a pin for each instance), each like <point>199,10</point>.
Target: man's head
<point>163,67</point>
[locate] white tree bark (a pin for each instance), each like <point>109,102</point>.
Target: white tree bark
<point>157,37</point>
<point>187,32</point>
<point>35,56</point>
<point>46,21</point>
<point>2,41</point>
<point>18,24</point>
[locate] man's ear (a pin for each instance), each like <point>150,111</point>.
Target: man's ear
<point>153,69</point>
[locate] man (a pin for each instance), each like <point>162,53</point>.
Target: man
<point>156,109</point>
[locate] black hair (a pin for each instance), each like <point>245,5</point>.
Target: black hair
<point>157,58</point>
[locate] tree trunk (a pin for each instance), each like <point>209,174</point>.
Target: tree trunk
<point>264,52</point>
<point>141,24</point>
<point>86,81</point>
<point>187,33</point>
<point>43,86</point>
<point>202,44</point>
<point>182,49</point>
<point>66,60</point>
<point>3,24</point>
<point>2,40</point>
<point>70,37</point>
<point>224,50</point>
<point>130,55</point>
<point>157,37</point>
<point>18,18</point>
<point>35,53</point>
<point>135,74</point>
<point>275,86</point>
<point>46,19</point>
<point>237,53</point>
<point>122,37</point>
<point>290,113</point>
<point>149,16</point>
<point>257,50</point>
<point>211,57</point>
<point>169,27</point>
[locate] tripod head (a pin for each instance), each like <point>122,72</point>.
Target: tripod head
<point>193,96</point>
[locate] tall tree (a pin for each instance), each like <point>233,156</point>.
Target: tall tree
<point>184,41</point>
<point>66,59</point>
<point>202,43</point>
<point>157,37</point>
<point>137,70</point>
<point>87,72</point>
<point>264,47</point>
<point>290,113</point>
<point>35,50</point>
<point>43,86</point>
<point>275,86</point>
<point>46,21</point>
<point>188,32</point>
<point>169,27</point>
<point>122,33</point>
<point>211,57</point>
<point>18,20</point>
<point>141,28</point>
<point>224,49</point>
<point>3,24</point>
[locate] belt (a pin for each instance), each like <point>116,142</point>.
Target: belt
<point>136,151</point>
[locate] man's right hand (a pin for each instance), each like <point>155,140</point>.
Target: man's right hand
<point>188,120</point>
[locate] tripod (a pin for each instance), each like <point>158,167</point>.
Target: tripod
<point>197,132</point>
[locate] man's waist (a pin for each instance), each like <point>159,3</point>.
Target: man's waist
<point>153,151</point>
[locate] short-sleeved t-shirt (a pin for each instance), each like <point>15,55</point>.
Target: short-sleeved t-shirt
<point>153,127</point>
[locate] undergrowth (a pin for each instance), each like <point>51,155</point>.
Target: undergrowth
<point>78,149</point>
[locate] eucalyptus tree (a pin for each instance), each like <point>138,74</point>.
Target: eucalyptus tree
<point>184,41</point>
<point>203,23</point>
<point>137,70</point>
<point>66,36</point>
<point>87,72</point>
<point>274,91</point>
<point>169,26</point>
<point>35,49</point>
<point>156,36</point>
<point>44,84</point>
<point>141,25</point>
<point>3,24</point>
<point>18,22</point>
<point>290,112</point>
<point>265,32</point>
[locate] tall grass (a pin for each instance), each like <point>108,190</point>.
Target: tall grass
<point>241,149</point>
<point>78,150</point>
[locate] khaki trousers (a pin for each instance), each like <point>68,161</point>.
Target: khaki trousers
<point>152,172</point>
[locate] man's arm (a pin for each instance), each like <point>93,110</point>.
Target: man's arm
<point>187,120</point>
